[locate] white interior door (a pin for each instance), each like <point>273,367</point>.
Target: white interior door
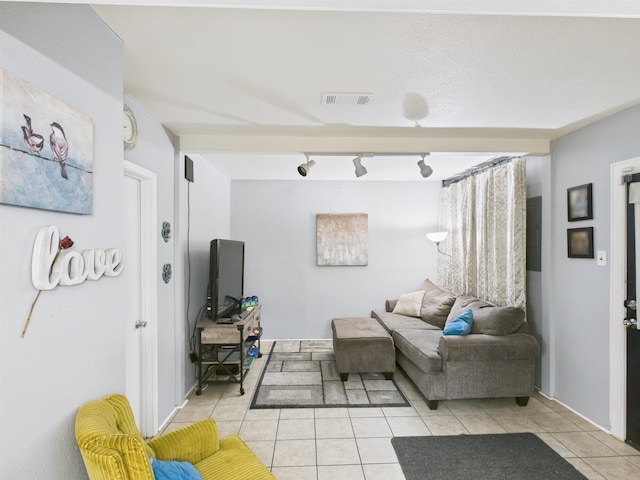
<point>133,333</point>
<point>141,300</point>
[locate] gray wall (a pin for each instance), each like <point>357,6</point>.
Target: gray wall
<point>579,294</point>
<point>73,351</point>
<point>277,220</point>
<point>208,199</point>
<point>539,185</point>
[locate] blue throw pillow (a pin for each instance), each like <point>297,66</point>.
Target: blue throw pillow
<point>170,470</point>
<point>461,325</point>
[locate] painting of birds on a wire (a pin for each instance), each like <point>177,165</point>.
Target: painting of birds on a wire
<point>46,150</point>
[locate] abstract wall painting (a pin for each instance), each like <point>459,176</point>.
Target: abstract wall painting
<point>580,203</point>
<point>342,239</point>
<point>46,150</point>
<point>580,242</point>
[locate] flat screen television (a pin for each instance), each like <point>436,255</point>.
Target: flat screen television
<point>226,278</point>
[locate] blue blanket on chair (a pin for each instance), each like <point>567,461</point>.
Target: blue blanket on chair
<point>170,470</point>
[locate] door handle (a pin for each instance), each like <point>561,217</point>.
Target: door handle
<point>631,323</point>
<point>141,323</point>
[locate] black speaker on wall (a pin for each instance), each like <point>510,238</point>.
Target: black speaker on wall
<point>188,168</point>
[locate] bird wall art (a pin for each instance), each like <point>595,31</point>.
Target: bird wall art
<point>46,150</point>
<point>34,141</point>
<point>59,147</point>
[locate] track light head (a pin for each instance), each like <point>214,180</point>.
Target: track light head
<point>360,170</point>
<point>304,168</point>
<point>425,170</point>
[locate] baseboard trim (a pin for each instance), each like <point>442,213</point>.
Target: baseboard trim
<point>600,427</point>
<point>171,416</point>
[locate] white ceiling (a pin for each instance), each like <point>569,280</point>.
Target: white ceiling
<point>242,85</point>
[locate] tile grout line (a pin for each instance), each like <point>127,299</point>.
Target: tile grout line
<point>523,416</point>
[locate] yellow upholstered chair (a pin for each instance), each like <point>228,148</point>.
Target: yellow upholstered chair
<point>112,447</point>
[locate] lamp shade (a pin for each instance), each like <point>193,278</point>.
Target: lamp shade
<point>437,237</point>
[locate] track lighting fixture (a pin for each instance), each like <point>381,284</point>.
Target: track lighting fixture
<point>360,170</point>
<point>304,168</point>
<point>425,170</point>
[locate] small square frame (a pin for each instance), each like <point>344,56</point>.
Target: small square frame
<point>580,242</point>
<point>580,203</point>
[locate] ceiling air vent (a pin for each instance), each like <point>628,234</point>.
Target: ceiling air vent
<point>346,98</point>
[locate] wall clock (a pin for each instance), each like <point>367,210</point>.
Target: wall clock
<point>130,133</point>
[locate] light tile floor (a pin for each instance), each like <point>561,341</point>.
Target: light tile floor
<point>355,443</point>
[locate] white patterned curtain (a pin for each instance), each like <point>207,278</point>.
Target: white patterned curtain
<point>485,215</point>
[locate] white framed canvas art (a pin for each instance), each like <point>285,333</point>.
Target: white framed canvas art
<point>342,239</point>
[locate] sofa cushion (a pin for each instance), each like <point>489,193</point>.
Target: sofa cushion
<point>409,304</point>
<point>234,460</point>
<point>464,302</point>
<point>482,348</point>
<point>393,321</point>
<point>497,320</point>
<point>461,325</point>
<point>420,347</point>
<point>436,308</point>
<point>432,289</point>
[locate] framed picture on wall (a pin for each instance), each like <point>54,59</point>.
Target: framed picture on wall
<point>580,242</point>
<point>580,203</point>
<point>342,239</point>
<point>46,150</point>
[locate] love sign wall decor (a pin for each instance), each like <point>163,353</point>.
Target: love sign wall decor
<point>53,264</point>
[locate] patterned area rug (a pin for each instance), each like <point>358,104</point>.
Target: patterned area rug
<point>303,373</point>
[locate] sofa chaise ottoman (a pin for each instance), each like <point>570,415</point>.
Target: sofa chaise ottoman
<point>362,345</point>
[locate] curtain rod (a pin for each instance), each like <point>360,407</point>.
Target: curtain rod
<point>495,162</point>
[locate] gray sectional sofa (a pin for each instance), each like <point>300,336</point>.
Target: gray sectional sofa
<point>496,359</point>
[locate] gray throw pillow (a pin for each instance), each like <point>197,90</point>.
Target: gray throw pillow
<point>464,302</point>
<point>389,305</point>
<point>432,289</point>
<point>435,309</point>
<point>497,320</point>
